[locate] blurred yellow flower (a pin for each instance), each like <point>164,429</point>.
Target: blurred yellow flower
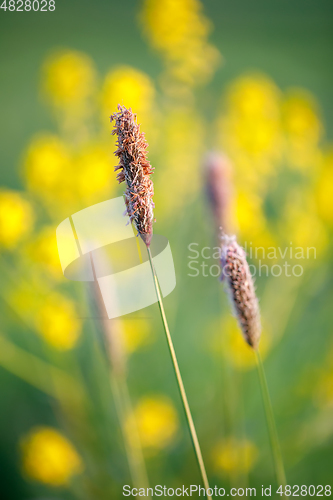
<point>324,189</point>
<point>251,221</point>
<point>129,87</point>
<point>47,167</point>
<point>63,179</point>
<point>232,455</point>
<point>180,160</point>
<point>137,333</point>
<point>58,323</point>
<point>16,218</point>
<point>157,422</point>
<point>301,116</point>
<point>249,214</point>
<point>43,250</point>
<point>25,298</point>
<point>323,382</point>
<point>324,391</point>
<point>48,457</point>
<point>68,78</point>
<point>301,225</point>
<point>303,128</point>
<point>179,30</point>
<point>254,96</point>
<point>228,341</point>
<point>95,181</point>
<point>252,120</point>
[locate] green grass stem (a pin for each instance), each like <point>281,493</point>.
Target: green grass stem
<point>181,387</point>
<point>272,431</point>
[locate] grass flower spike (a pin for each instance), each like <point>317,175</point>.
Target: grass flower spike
<point>217,175</point>
<point>135,170</point>
<point>236,273</point>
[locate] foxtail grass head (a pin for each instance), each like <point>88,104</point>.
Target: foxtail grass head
<point>134,169</point>
<point>217,176</point>
<point>236,274</point>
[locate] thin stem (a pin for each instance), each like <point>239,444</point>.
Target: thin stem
<point>181,387</point>
<point>272,431</point>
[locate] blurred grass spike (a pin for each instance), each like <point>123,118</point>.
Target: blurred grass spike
<point>217,173</point>
<point>236,273</point>
<point>240,285</point>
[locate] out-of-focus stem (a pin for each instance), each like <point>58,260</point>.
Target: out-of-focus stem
<point>32,370</point>
<point>120,392</point>
<point>272,431</point>
<point>130,432</point>
<point>181,387</point>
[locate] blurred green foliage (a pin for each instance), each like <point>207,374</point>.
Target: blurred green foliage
<point>255,84</point>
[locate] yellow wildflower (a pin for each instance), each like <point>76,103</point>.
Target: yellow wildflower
<point>94,182</point>
<point>303,129</point>
<point>48,457</point>
<point>44,251</point>
<point>301,224</point>
<point>251,221</point>
<point>136,333</point>
<point>232,455</point>
<point>323,394</point>
<point>129,87</point>
<point>249,214</point>
<point>179,30</point>
<point>58,322</point>
<point>16,218</point>
<point>157,422</point>
<point>63,179</point>
<point>68,78</point>
<point>253,96</point>
<point>181,154</point>
<point>252,121</point>
<point>325,189</point>
<point>301,116</point>
<point>47,167</point>
<point>26,298</point>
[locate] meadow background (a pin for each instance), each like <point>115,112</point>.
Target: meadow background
<point>252,80</point>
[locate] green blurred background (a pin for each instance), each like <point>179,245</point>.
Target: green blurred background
<point>252,80</point>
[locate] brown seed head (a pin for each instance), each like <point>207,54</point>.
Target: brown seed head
<point>135,169</point>
<point>236,273</point>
